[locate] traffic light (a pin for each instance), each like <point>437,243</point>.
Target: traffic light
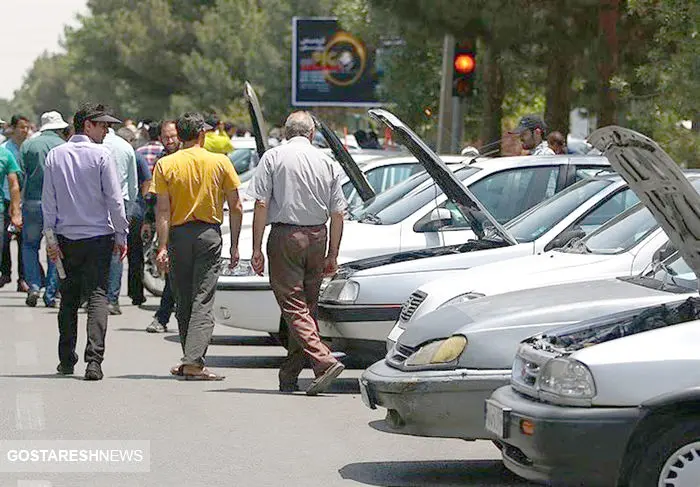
<point>464,67</point>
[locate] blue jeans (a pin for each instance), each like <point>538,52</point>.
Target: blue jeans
<point>114,288</point>
<point>31,243</point>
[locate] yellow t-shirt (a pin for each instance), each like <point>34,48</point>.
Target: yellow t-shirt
<point>196,182</point>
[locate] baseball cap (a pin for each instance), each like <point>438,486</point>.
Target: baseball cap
<point>52,121</point>
<point>102,116</point>
<point>529,122</point>
<point>2,121</point>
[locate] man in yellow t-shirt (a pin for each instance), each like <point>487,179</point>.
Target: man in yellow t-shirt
<point>192,185</point>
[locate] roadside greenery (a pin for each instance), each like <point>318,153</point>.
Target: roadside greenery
<point>156,58</point>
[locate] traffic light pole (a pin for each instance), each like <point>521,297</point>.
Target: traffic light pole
<point>458,106</point>
<point>445,120</point>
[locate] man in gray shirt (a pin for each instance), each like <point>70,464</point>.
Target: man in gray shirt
<point>297,189</point>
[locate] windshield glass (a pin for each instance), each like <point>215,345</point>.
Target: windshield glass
<point>533,223</point>
<point>621,233</point>
<point>409,196</point>
<point>675,271</point>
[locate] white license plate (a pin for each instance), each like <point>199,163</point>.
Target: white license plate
<point>497,419</point>
<point>366,396</point>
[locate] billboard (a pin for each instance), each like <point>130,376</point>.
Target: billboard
<point>331,67</point>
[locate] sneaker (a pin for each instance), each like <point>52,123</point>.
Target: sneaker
<point>93,371</point>
<point>138,301</point>
<point>64,369</point>
<point>32,299</point>
<point>5,280</point>
<point>114,309</point>
<point>321,382</point>
<point>156,327</point>
<point>51,304</point>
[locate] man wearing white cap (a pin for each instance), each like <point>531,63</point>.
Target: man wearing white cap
<point>34,153</point>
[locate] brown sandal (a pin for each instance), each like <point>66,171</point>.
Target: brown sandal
<point>203,374</point>
<point>177,370</point>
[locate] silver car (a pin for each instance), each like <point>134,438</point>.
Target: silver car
<point>436,378</point>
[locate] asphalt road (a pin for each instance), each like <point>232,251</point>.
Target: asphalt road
<point>240,431</point>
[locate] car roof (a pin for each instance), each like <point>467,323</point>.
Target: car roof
<point>243,143</point>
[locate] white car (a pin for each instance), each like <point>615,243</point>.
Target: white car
<point>615,400</point>
<point>414,214</point>
<point>625,245</point>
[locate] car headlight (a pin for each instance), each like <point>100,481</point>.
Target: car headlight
<point>439,352</point>
<point>566,381</point>
<point>324,284</point>
<point>341,291</point>
<point>462,298</point>
<point>244,268</point>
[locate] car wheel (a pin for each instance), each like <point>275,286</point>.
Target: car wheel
<point>673,460</point>
<point>282,336</point>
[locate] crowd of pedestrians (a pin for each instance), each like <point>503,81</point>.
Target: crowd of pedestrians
<point>105,198</point>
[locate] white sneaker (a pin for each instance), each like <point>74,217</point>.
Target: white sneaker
<point>156,327</point>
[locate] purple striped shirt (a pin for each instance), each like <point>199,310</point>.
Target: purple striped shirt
<point>82,197</point>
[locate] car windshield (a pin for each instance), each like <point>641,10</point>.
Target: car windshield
<point>620,234</point>
<point>404,199</point>
<point>676,272</point>
<point>535,222</point>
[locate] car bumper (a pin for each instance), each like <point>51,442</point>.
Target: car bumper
<point>246,302</point>
<point>440,403</point>
<point>357,329</point>
<point>569,445</point>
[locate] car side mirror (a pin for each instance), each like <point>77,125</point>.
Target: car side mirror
<point>564,238</point>
<point>434,221</point>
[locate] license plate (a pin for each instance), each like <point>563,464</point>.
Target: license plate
<point>497,419</point>
<point>366,394</point>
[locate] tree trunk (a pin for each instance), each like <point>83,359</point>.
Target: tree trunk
<point>607,66</point>
<point>558,90</point>
<point>494,88</point>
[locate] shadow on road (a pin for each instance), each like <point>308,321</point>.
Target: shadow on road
<point>149,307</point>
<point>76,376</point>
<point>339,386</point>
<point>250,341</point>
<point>485,473</point>
<point>145,376</point>
<point>244,362</point>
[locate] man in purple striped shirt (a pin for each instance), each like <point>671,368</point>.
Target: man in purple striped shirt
<point>82,203</point>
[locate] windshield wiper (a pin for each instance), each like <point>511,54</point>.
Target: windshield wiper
<point>371,218</point>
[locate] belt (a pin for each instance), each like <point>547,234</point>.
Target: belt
<point>278,224</point>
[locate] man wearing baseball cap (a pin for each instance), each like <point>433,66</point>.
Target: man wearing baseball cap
<point>34,152</point>
<point>82,204</point>
<point>533,135</point>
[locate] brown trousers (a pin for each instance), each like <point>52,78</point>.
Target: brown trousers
<point>296,256</point>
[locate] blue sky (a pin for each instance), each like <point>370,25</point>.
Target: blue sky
<point>29,28</point>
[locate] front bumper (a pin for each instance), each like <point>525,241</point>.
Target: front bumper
<point>440,403</point>
<point>357,329</point>
<point>246,302</point>
<point>570,445</point>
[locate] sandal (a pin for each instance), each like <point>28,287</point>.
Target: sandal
<point>203,374</point>
<point>177,370</point>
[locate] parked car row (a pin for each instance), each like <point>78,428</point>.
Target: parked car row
<point>548,304</point>
<point>579,382</point>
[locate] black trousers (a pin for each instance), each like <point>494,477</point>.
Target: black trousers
<point>86,262</point>
<point>135,259</point>
<point>195,260</point>
<point>6,260</point>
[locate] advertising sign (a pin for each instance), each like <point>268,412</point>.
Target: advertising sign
<point>331,67</point>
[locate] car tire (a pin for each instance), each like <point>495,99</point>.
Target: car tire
<point>282,336</point>
<point>680,442</point>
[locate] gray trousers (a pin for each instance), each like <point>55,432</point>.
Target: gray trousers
<point>195,258</point>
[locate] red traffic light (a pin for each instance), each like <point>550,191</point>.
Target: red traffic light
<point>464,63</point>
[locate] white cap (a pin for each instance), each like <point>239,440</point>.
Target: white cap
<point>2,121</point>
<point>470,151</point>
<point>52,121</point>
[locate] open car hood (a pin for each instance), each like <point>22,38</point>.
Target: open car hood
<point>355,174</point>
<point>479,218</point>
<point>660,185</point>
<point>256,118</point>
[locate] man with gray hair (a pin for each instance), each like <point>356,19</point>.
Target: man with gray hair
<point>297,188</point>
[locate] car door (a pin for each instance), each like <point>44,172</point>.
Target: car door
<point>505,194</point>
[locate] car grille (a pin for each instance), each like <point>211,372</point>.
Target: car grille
<point>411,305</point>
